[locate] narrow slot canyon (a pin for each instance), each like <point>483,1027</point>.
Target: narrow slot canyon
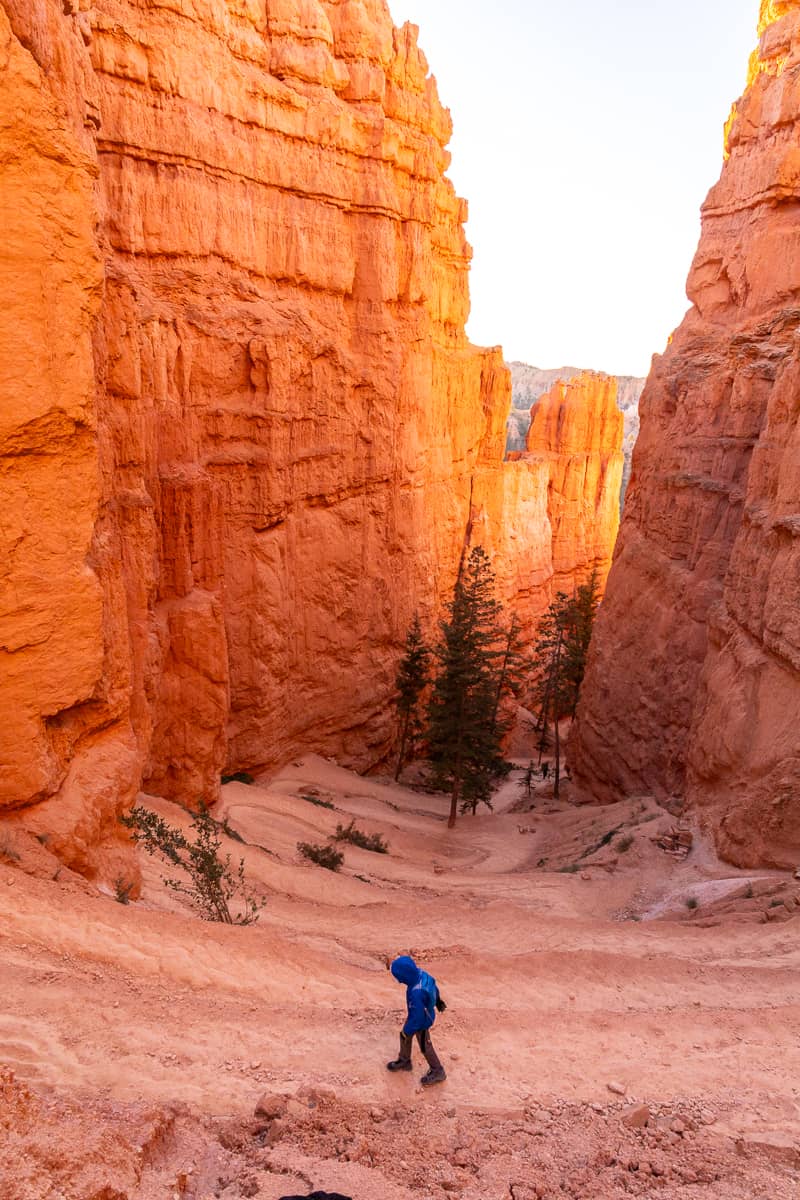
<point>246,442</point>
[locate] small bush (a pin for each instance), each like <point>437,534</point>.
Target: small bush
<point>625,843</point>
<point>320,803</point>
<point>748,894</point>
<point>238,777</point>
<point>210,881</point>
<point>367,841</point>
<point>572,869</point>
<point>232,833</point>
<point>775,903</point>
<point>8,852</point>
<point>122,890</point>
<point>692,902</point>
<point>324,856</point>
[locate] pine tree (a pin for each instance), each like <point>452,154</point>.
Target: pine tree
<point>552,689</point>
<point>579,635</point>
<point>411,681</point>
<point>562,648</point>
<point>463,729</point>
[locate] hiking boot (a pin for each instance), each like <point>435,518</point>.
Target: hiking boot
<point>432,1077</point>
<point>399,1064</point>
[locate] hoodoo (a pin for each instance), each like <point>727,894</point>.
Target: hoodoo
<point>578,428</point>
<point>693,689</point>
<point>244,434</point>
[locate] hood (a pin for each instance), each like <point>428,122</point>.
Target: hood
<point>405,970</point>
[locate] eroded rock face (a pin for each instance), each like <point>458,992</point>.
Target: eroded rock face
<point>694,685</point>
<point>577,429</point>
<point>262,439</point>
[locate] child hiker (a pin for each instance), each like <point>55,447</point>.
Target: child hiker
<point>422,1000</point>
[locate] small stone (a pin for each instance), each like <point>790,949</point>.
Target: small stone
<point>616,1088</point>
<point>677,1126</point>
<point>276,1131</point>
<point>708,1117</point>
<point>271,1105</point>
<point>636,1117</point>
<point>377,1114</point>
<point>254,1066</point>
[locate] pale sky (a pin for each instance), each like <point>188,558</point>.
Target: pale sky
<point>586,136</point>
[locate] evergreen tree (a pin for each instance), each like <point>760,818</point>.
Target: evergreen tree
<point>463,729</point>
<point>562,647</point>
<point>411,681</point>
<point>580,626</point>
<point>552,689</point>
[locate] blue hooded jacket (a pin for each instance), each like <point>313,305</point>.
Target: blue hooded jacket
<point>421,994</point>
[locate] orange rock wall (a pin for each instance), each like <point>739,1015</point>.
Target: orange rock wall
<point>693,689</point>
<point>255,432</point>
<point>577,429</point>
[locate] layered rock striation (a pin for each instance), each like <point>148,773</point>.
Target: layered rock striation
<point>693,688</point>
<point>576,430</point>
<point>246,436</point>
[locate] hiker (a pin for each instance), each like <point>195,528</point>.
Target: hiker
<point>545,769</point>
<point>422,1000</point>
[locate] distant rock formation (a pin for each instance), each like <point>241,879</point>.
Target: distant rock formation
<point>576,427</point>
<point>529,383</point>
<point>693,688</point>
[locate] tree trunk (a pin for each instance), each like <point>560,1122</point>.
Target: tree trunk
<point>454,802</point>
<point>556,715</point>
<point>403,739</point>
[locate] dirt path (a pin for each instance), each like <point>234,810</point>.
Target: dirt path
<point>150,1017</point>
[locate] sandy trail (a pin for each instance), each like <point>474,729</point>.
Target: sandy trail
<point>551,995</point>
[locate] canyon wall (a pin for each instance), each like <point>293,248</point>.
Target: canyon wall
<point>529,383</point>
<point>244,434</point>
<point>693,688</point>
<point>576,430</point>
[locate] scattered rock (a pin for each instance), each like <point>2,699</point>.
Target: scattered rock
<point>271,1106</point>
<point>636,1117</point>
<point>616,1088</point>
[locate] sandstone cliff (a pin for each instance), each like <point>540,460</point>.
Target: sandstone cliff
<point>576,428</point>
<point>528,384</point>
<point>246,434</point>
<point>694,684</point>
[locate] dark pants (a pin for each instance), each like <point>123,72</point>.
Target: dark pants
<point>426,1046</point>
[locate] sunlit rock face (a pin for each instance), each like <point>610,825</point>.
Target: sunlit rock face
<point>577,429</point>
<point>246,436</point>
<point>694,682</point>
<point>529,383</point>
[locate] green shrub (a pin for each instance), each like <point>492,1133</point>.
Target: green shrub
<point>572,869</point>
<point>320,803</point>
<point>324,856</point>
<point>122,890</point>
<point>210,881</point>
<point>238,777</point>
<point>692,902</point>
<point>625,843</point>
<point>8,852</point>
<point>367,841</point>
